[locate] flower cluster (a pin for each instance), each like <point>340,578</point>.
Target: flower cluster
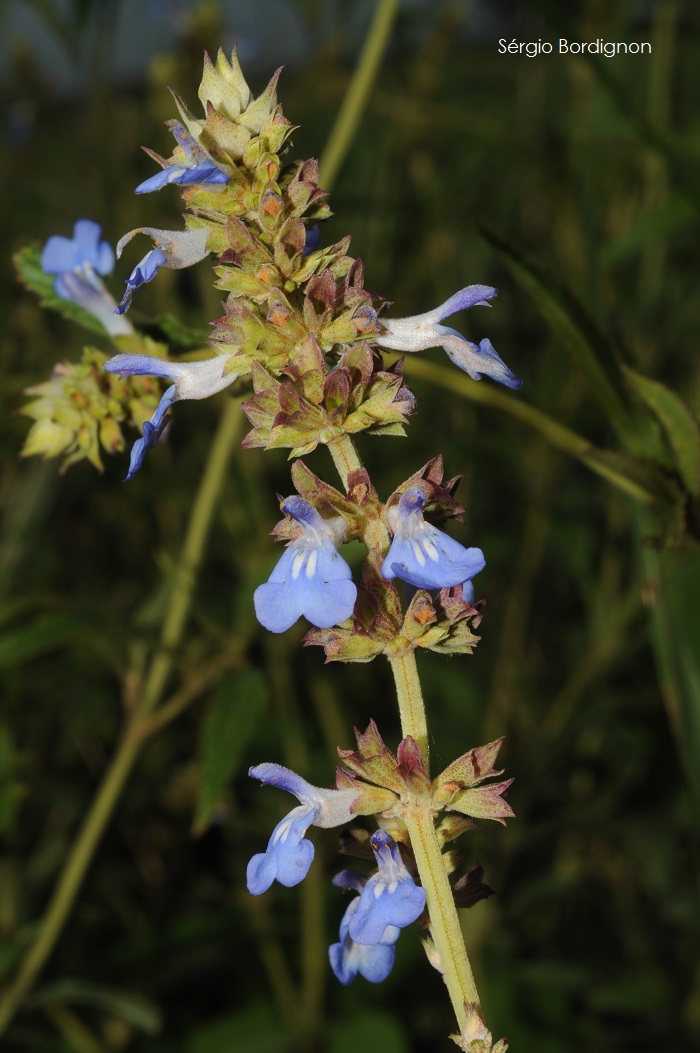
<point>312,578</point>
<point>300,329</point>
<point>297,318</point>
<point>374,782</point>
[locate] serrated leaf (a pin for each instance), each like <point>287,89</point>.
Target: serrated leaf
<point>227,729</point>
<point>136,1010</point>
<point>677,422</point>
<point>28,266</point>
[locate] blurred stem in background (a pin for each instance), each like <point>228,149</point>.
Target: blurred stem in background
<point>144,715</point>
<point>136,729</point>
<point>355,101</point>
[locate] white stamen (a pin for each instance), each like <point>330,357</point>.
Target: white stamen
<point>298,563</point>
<point>418,553</point>
<point>430,550</point>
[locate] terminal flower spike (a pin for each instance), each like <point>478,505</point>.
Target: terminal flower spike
<point>422,331</point>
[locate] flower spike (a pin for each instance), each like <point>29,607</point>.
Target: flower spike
<point>289,855</point>
<point>311,578</point>
<point>192,380</point>
<point>422,555</point>
<point>421,331</point>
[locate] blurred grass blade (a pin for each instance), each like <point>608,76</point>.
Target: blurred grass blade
<point>227,730</point>
<point>134,1009</point>
<point>368,1029</point>
<point>672,586</point>
<point>45,634</point>
<point>636,478</point>
<point>254,1029</point>
<point>28,266</point>
<point>587,343</point>
<point>677,422</point>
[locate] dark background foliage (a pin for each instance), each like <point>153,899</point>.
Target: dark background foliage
<point>591,166</point>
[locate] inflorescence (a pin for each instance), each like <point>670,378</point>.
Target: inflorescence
<point>299,325</point>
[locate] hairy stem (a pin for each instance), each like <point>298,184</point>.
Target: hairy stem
<point>356,96</point>
<point>345,457</point>
<point>136,732</point>
<point>444,920</point>
<point>410,699</point>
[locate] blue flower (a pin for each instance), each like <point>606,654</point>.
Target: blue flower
<point>422,555</point>
<point>347,958</point>
<point>174,249</point>
<point>207,172</point>
<point>76,264</point>
<point>152,431</point>
<point>311,578</point>
<point>421,331</point>
<point>289,855</point>
<point>189,165</point>
<point>193,380</point>
<point>313,239</point>
<point>390,898</point>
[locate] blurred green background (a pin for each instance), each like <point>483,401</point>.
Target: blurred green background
<point>590,654</point>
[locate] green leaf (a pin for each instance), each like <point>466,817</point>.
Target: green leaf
<point>226,732</point>
<point>181,336</point>
<point>135,1010</point>
<point>583,338</point>
<point>254,1029</point>
<point>10,789</point>
<point>678,423</point>
<point>672,586</point>
<point>371,1032</point>
<point>45,634</point>
<point>28,266</point>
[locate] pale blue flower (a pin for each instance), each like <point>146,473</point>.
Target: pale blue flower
<point>311,578</point>
<point>207,172</point>
<point>193,380</point>
<point>198,166</point>
<point>289,854</point>
<point>390,898</point>
<point>174,249</point>
<point>76,264</point>
<point>422,555</point>
<point>421,331</point>
<point>347,958</point>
